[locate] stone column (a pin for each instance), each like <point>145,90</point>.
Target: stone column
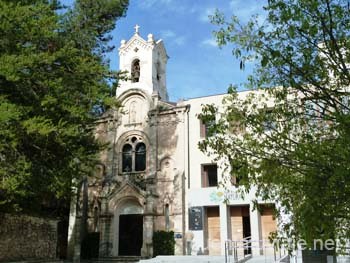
<point>77,240</point>
<point>223,226</point>
<point>147,247</point>
<point>255,227</point>
<point>106,245</point>
<point>72,227</point>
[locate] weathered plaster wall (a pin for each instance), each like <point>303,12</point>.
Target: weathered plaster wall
<point>170,172</point>
<point>25,237</point>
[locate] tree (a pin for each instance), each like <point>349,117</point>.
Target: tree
<point>54,81</point>
<point>295,147</point>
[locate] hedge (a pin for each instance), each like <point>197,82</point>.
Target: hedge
<point>163,243</point>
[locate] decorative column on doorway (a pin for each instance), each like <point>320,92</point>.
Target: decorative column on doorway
<point>106,246</point>
<point>147,247</point>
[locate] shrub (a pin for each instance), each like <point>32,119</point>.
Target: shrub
<point>163,243</point>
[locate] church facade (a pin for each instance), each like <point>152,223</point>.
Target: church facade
<point>152,176</point>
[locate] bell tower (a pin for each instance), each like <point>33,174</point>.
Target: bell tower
<point>145,61</point>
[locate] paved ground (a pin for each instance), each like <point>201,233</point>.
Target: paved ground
<point>188,259</point>
<point>185,259</point>
<point>204,259</point>
<point>261,259</point>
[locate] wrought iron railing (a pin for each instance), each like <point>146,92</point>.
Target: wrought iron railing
<point>239,250</point>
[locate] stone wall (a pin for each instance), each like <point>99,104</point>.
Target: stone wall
<point>25,237</point>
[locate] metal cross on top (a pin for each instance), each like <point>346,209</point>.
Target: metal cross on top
<point>137,29</point>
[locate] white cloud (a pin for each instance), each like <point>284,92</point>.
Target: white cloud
<point>180,40</point>
<point>245,9</point>
<point>182,7</point>
<point>204,15</point>
<point>172,37</point>
<point>145,4</point>
<point>167,34</point>
<point>209,42</point>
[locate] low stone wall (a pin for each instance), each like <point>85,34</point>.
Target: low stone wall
<point>26,237</point>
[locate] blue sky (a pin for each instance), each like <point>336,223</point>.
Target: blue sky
<point>197,67</point>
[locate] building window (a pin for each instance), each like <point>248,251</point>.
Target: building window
<point>234,178</point>
<point>127,158</point>
<point>140,157</point>
<point>134,155</point>
<point>269,123</point>
<point>209,175</point>
<point>205,128</point>
<point>135,71</point>
<point>236,127</point>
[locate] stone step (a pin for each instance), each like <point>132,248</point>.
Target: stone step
<point>121,259</point>
<point>185,259</point>
<point>36,261</point>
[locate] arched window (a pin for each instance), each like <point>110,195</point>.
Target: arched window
<point>127,158</point>
<point>140,157</point>
<point>135,71</point>
<point>133,155</point>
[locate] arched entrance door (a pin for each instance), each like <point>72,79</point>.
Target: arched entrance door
<point>130,228</point>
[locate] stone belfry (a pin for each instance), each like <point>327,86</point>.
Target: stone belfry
<point>145,61</point>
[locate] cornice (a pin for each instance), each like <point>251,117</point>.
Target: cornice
<point>135,41</point>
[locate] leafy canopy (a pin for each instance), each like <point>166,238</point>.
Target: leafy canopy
<point>294,122</point>
<point>54,81</point>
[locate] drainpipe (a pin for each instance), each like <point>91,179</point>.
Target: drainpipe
<point>188,148</point>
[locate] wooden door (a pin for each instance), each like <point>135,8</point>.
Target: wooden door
<point>268,225</point>
<point>240,227</point>
<point>130,235</point>
<point>213,230</point>
<point>268,222</point>
<point>236,223</point>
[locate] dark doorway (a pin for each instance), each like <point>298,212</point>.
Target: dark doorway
<point>62,238</point>
<point>130,235</point>
<point>247,235</point>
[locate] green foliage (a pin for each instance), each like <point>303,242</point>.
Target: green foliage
<point>163,243</point>
<point>54,79</point>
<point>295,145</point>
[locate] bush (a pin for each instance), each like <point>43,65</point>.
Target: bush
<point>163,243</point>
